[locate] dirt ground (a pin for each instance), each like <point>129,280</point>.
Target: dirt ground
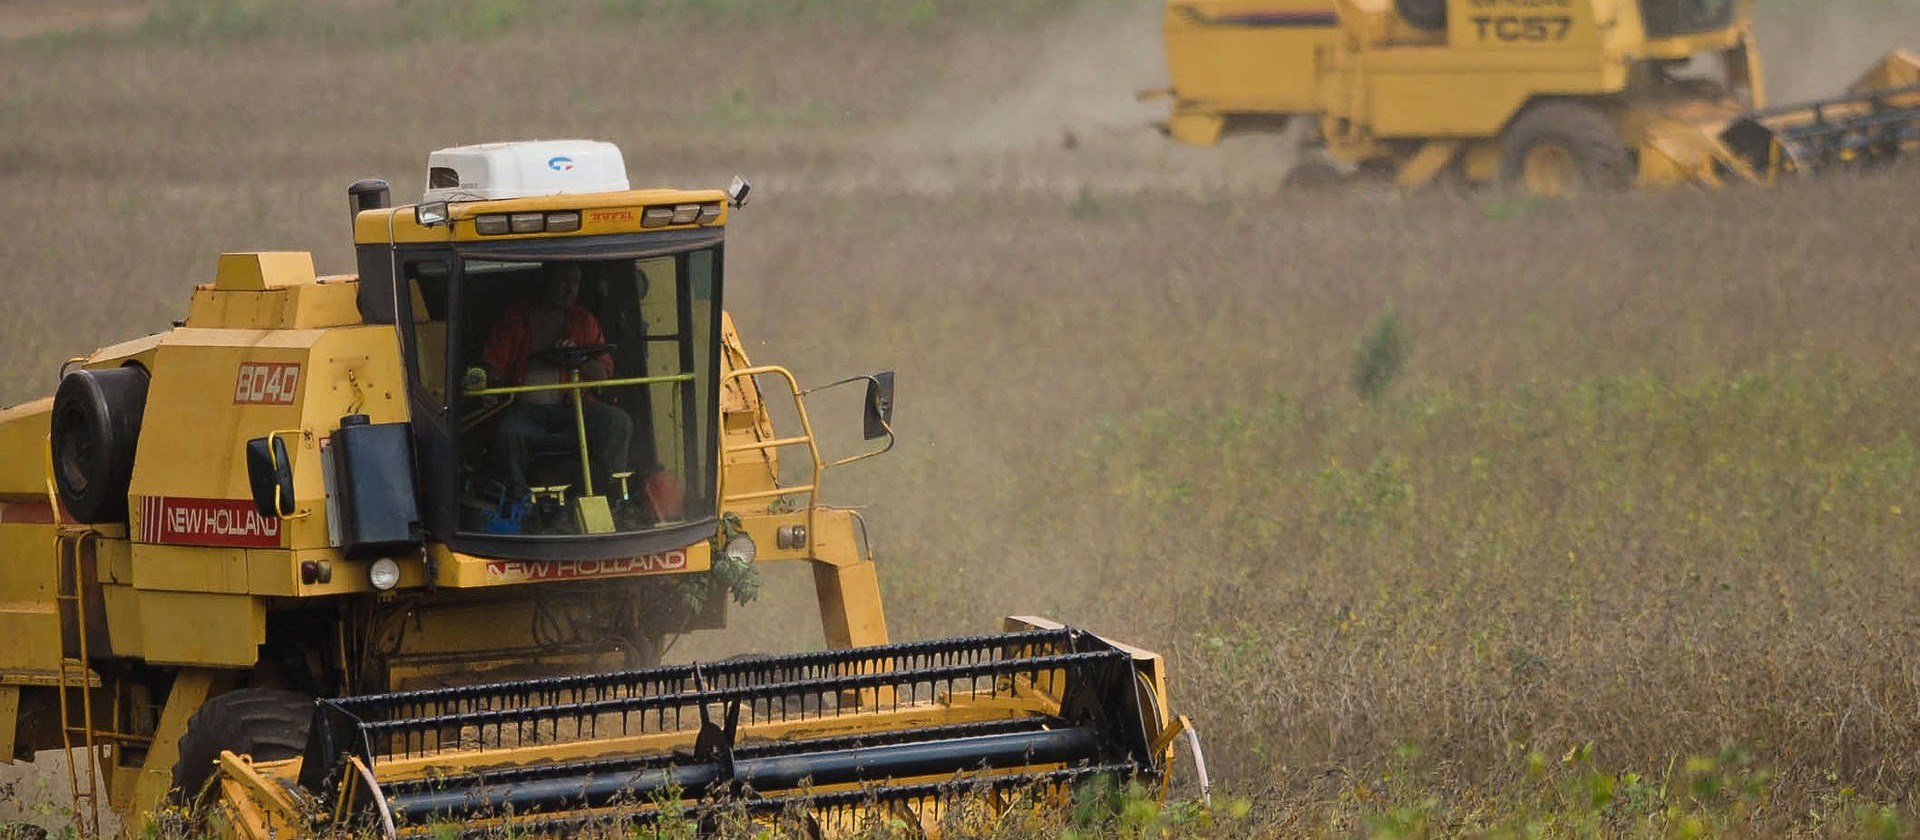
<point>37,794</point>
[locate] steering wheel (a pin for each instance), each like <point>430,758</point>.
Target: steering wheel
<point>571,357</point>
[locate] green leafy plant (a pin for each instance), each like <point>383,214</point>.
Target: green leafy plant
<point>739,577</point>
<point>1382,355</point>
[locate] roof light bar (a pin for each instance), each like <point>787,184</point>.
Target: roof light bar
<point>496,224</point>
<point>529,222</point>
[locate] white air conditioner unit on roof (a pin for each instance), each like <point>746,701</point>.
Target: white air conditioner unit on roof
<point>523,169</point>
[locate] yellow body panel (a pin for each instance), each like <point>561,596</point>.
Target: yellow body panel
<point>123,605</point>
<point>27,618</point>
<point>1433,92</point>
<point>23,429</point>
<point>464,571</point>
<point>179,568</point>
<point>193,401</point>
<point>1237,56</point>
<point>195,628</point>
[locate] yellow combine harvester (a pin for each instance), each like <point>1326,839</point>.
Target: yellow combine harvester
<point>400,550</point>
<point>1553,96</point>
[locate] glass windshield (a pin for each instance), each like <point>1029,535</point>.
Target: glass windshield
<point>1667,18</point>
<point>584,398</point>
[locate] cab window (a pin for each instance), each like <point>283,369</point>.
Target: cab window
<point>584,402</point>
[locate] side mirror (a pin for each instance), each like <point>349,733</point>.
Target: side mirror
<point>270,475</point>
<point>737,191</point>
<point>879,414</point>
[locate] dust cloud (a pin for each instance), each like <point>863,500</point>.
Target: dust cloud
<point>1059,112</point>
<point>1813,51</point>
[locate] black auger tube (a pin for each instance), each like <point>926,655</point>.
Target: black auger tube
<point>766,775</point>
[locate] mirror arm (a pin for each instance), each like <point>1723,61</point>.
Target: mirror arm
<point>865,377</point>
<point>873,381</point>
<point>277,460</point>
<point>864,455</point>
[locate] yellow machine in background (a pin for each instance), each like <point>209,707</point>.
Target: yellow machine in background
<point>401,549</point>
<point>1553,96</point>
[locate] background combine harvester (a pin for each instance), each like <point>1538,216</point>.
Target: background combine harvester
<point>1553,96</point>
<point>466,527</point>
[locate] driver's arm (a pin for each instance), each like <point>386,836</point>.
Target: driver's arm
<point>504,355</point>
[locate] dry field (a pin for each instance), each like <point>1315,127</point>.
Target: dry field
<point>1627,548</point>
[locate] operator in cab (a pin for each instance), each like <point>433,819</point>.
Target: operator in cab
<point>548,338</point>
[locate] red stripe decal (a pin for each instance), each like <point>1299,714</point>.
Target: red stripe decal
<point>15,513</point>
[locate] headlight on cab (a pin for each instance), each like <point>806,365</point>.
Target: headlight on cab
<point>384,574</point>
<point>740,548</point>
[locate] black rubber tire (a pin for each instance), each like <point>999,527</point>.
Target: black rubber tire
<point>1314,176</point>
<point>1584,132</point>
<point>269,724</point>
<point>1422,14</point>
<point>95,428</point>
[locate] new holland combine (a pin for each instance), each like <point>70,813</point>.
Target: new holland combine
<point>398,551</point>
<point>1551,96</point>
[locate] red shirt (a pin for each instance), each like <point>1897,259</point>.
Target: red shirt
<point>512,339</point>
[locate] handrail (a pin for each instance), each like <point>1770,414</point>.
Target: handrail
<point>773,494</point>
<point>68,549</point>
<point>805,438</point>
<point>578,385</point>
<point>766,444</point>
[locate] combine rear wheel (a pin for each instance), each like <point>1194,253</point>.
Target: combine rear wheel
<point>1564,148</point>
<point>268,724</point>
<point>1314,176</point>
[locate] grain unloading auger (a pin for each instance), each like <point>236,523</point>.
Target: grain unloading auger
<point>522,444</point>
<point>932,734</point>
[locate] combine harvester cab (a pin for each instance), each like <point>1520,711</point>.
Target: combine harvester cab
<point>936,735</point>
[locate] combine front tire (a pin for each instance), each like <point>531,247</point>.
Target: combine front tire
<point>268,724</point>
<point>1564,148</point>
